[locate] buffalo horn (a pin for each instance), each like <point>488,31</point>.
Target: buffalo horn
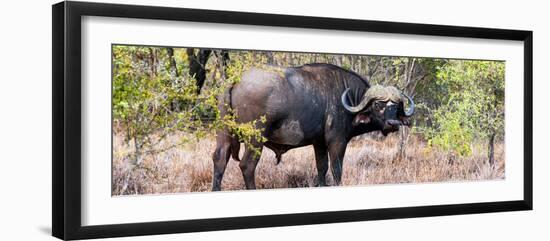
<point>410,112</point>
<point>353,109</point>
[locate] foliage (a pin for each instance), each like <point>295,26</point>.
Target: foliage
<point>471,104</point>
<point>459,102</point>
<point>150,102</point>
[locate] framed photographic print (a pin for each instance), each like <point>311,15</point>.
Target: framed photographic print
<point>169,120</point>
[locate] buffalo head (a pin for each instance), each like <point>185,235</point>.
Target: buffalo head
<point>382,108</point>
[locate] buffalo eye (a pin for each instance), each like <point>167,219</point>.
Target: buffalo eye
<point>378,106</point>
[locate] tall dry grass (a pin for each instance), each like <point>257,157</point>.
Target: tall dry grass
<point>369,160</point>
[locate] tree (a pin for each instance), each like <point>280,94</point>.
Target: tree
<point>159,91</point>
<point>471,95</point>
<point>197,65</point>
<point>145,90</point>
<point>173,66</point>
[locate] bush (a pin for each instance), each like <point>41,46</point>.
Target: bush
<point>150,101</point>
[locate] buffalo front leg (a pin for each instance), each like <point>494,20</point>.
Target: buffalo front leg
<point>220,157</point>
<point>336,151</point>
<point>321,159</point>
<point>248,165</point>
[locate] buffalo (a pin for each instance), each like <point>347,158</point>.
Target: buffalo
<point>315,104</point>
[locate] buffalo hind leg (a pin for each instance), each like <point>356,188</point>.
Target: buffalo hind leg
<point>248,164</point>
<point>321,159</point>
<point>336,151</point>
<point>220,158</point>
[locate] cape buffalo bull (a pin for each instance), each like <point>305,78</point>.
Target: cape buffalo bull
<point>315,104</point>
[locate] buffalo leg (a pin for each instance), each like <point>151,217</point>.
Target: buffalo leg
<point>220,158</point>
<point>248,165</point>
<point>336,152</point>
<point>321,159</point>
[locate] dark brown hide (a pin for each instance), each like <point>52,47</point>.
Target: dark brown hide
<point>302,106</point>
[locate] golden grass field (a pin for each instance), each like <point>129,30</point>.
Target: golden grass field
<point>370,159</point>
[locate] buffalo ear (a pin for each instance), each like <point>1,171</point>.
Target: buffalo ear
<point>361,118</point>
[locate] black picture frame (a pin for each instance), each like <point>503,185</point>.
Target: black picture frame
<point>67,135</point>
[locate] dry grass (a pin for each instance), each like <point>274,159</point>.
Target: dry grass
<point>369,160</point>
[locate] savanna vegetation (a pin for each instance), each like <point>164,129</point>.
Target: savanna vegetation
<point>165,115</point>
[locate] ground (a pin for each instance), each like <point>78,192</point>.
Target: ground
<point>369,160</point>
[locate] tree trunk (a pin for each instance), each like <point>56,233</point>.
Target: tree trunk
<point>222,62</point>
<point>491,149</point>
<point>173,67</point>
<point>287,58</point>
<point>197,65</point>
<point>371,69</point>
<point>404,137</point>
<point>270,59</point>
<point>137,152</point>
<point>153,62</point>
